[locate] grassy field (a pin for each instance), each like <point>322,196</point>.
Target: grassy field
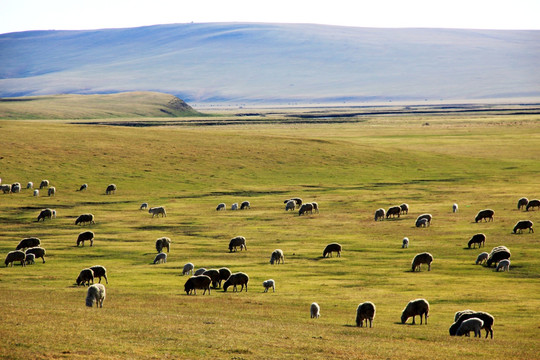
<point>486,160</point>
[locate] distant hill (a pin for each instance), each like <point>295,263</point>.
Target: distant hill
<point>121,105</point>
<point>274,63</point>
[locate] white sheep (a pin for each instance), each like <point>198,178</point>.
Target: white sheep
<point>155,211</point>
<point>51,191</point>
<point>30,259</point>
<point>277,257</point>
<point>234,206</point>
<point>95,293</point>
<point>405,243</point>
<point>30,185</point>
<point>36,192</point>
<point>482,258</point>
<point>269,284</point>
<point>315,310</point>
<point>144,206</point>
<point>290,205</point>
<point>44,183</point>
<point>221,206</point>
<point>160,258</point>
<point>188,268</point>
<point>473,324</point>
<point>455,208</point>
<point>503,265</point>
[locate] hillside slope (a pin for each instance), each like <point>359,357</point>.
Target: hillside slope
<point>254,62</point>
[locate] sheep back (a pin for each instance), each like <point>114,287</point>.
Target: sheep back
<point>28,243</point>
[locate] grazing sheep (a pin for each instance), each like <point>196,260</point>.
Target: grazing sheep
<point>85,218</point>
<point>221,206</point>
<point>236,279</point>
<point>503,265</point>
<point>155,211</point>
<point>404,208</point>
<point>305,208</point>
<point>30,259</point>
<point>422,258</point>
<point>85,236</point>
<point>269,284</point>
<point>477,239</point>
<point>523,224</point>
<point>330,248</point>
<point>238,241</point>
<point>28,243</point>
<point>30,185</point>
<point>365,311</point>
<point>44,183</point>
<point>522,203</point>
<point>455,208</point>
<point>6,188</point>
<point>379,214</point>
<point>487,318</point>
<point>111,189</point>
<point>413,308</point>
<point>83,187</point>
<point>197,282</point>
<point>315,310</point>
<point>163,242</point>
<point>199,271</point>
<point>315,207</point>
<point>36,192</point>
<point>234,206</point>
<point>38,252</point>
<point>160,258</point>
<point>95,293</point>
<point>51,191</point>
<point>472,324</point>
<point>99,272</point>
<point>393,211</point>
<point>45,213</point>
<point>486,215</point>
<point>532,204</point>
<point>213,274</point>
<point>188,268</point>
<point>16,255</point>
<point>144,206</point>
<point>245,205</point>
<point>428,218</point>
<point>297,201</point>
<point>16,188</point>
<point>85,276</point>
<point>290,205</point>
<point>224,274</point>
<point>405,243</point>
<point>482,258</point>
<point>497,254</point>
<point>277,257</point>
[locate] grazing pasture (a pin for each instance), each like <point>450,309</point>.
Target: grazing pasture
<point>350,169</point>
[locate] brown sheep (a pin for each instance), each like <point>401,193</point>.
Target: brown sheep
<point>477,239</point>
<point>533,204</point>
<point>238,241</point>
<point>235,279</point>
<point>197,282</point>
<point>486,215</point>
<point>404,208</point>
<point>44,214</point>
<point>379,214</point>
<point>85,218</point>
<point>85,276</point>
<point>28,243</point>
<point>330,248</point>
<point>522,203</point>
<point>422,258</point>
<point>523,224</point>
<point>99,272</point>
<point>413,308</point>
<point>305,208</point>
<point>111,189</point>
<point>16,255</point>
<point>38,252</point>
<point>365,311</point>
<point>393,211</point>
<point>85,236</point>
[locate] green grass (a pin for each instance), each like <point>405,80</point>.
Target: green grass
<point>350,169</point>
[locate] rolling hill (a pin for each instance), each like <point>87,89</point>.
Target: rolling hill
<point>274,63</point>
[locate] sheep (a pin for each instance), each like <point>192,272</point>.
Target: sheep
<point>405,243</point>
<point>238,241</point>
<point>413,308</point>
<point>477,239</point>
<point>365,311</point>
<point>38,252</point>
<point>95,293</point>
<point>234,206</point>
<point>486,215</point>
<point>277,257</point>
<point>213,274</point>
<point>51,191</point>
<point>497,254</point>
<point>45,213</point>
<point>30,185</point>
<point>330,248</point>
<point>482,258</point>
<point>143,206</point>
<point>522,203</point>
<point>523,224</point>
<point>85,218</point>
<point>315,310</point>
<point>532,204</point>
<point>160,258</point>
<point>85,236</point>
<point>155,211</point>
<point>270,283</point>
<point>188,268</point>
<point>111,189</point>
<point>85,276</point>
<point>245,205</point>
<point>472,324</point>
<point>16,188</point>
<point>404,208</point>
<point>379,214</point>
<point>83,187</point>
<point>305,208</point>
<point>459,313</point>
<point>163,242</point>
<point>28,243</point>
<point>16,255</point>
<point>297,201</point>
<point>36,192</point>
<point>44,183</point>
<point>199,271</point>
<point>30,259</point>
<point>290,205</point>
<point>422,258</point>
<point>99,272</point>
<point>422,223</point>
<point>197,282</point>
<point>428,218</point>
<point>487,318</point>
<point>503,265</point>
<point>393,211</point>
<point>315,207</point>
<point>455,208</point>
<point>6,188</point>
<point>224,274</point>
<point>221,206</point>
<point>236,279</point>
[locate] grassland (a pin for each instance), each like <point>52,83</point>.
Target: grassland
<point>481,160</point>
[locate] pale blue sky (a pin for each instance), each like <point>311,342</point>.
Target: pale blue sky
<point>21,15</point>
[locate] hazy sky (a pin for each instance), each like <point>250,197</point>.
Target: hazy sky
<point>21,15</point>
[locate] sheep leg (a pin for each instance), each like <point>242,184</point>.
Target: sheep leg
<point>413,322</point>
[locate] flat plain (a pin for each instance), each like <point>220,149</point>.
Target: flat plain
<point>350,165</point>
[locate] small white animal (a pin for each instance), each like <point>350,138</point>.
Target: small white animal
<point>315,310</point>
<point>269,284</point>
<point>405,243</point>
